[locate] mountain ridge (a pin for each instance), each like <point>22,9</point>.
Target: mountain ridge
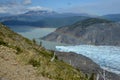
<point>50,18</point>
<point>89,31</point>
<point>113,17</point>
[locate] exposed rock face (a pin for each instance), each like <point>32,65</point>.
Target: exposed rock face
<point>85,64</point>
<point>91,31</point>
<point>81,62</point>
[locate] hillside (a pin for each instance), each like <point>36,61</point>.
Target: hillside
<point>113,17</point>
<point>22,59</point>
<point>93,31</point>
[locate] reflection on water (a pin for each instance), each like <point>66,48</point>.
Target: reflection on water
<point>37,33</point>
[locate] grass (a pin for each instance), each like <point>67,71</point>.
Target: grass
<point>34,62</point>
<point>57,70</point>
<point>3,43</point>
<point>29,53</point>
<point>19,50</point>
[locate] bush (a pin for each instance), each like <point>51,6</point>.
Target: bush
<point>18,50</point>
<point>34,41</point>
<point>34,62</point>
<point>3,43</point>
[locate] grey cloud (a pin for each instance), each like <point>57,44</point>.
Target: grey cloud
<point>27,2</point>
<point>13,6</point>
<point>17,7</point>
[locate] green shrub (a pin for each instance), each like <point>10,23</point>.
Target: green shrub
<point>28,41</point>
<point>18,50</point>
<point>34,41</point>
<point>92,77</point>
<point>34,62</point>
<point>40,43</point>
<point>3,43</point>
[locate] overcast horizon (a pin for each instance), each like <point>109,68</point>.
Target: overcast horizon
<point>94,7</point>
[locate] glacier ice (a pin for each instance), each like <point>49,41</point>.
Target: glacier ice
<point>108,57</point>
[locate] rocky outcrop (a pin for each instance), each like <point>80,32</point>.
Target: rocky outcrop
<point>81,62</point>
<point>85,64</point>
<point>91,31</point>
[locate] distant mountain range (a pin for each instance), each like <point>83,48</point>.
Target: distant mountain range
<point>93,31</point>
<point>113,17</point>
<point>5,14</point>
<point>43,19</point>
<point>46,22</point>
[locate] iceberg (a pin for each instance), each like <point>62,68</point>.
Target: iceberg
<point>108,57</point>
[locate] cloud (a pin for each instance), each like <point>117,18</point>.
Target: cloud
<point>18,7</point>
<point>12,10</point>
<point>2,9</point>
<point>13,6</point>
<point>27,2</point>
<point>37,8</point>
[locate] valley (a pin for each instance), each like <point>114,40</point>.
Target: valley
<point>59,40</point>
<point>37,34</point>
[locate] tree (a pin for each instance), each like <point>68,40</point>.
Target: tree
<point>40,43</point>
<point>34,41</point>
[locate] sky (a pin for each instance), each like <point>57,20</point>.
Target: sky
<point>94,7</point>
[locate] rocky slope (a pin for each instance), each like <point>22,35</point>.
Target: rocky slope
<point>84,64</point>
<point>90,31</point>
<point>22,59</point>
<point>12,69</point>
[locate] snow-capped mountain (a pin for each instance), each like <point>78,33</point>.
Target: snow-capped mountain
<point>40,12</point>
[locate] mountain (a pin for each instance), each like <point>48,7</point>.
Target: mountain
<point>46,22</point>
<point>113,17</point>
<point>40,13</point>
<point>54,14</point>
<point>48,19</point>
<point>92,31</point>
<point>5,14</point>
<point>22,59</point>
<point>12,23</point>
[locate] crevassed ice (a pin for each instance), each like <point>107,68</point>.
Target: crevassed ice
<point>108,57</point>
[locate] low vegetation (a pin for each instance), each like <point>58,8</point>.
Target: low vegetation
<point>28,53</point>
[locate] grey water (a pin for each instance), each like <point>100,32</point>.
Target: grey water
<point>37,33</point>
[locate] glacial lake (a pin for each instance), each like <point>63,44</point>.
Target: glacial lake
<point>37,33</point>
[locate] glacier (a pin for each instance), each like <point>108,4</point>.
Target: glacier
<point>108,57</point>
